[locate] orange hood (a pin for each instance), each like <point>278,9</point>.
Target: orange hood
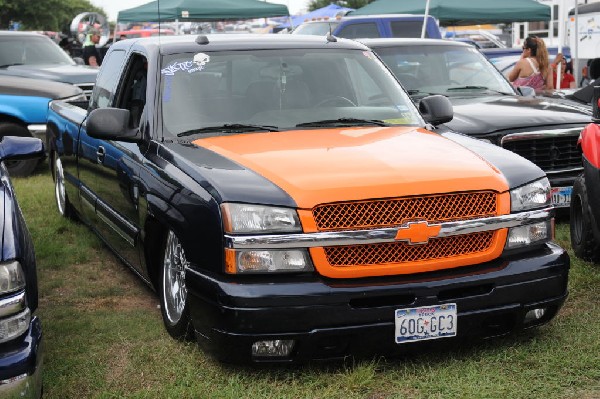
<point>332,165</point>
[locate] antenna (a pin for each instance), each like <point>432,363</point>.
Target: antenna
<point>330,37</point>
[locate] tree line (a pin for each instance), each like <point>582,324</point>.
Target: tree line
<point>50,15</point>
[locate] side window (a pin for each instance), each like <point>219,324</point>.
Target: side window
<point>357,31</point>
<point>132,95</point>
<point>410,29</point>
<point>107,80</point>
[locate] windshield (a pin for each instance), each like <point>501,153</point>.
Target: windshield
<point>447,70</point>
<point>31,50</point>
<point>280,89</point>
<point>315,28</point>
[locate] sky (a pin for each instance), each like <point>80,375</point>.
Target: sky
<point>112,7</point>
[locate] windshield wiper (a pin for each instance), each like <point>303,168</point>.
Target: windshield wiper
<point>230,128</point>
<point>477,88</point>
<point>9,65</point>
<point>343,122</point>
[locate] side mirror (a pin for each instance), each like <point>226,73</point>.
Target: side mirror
<point>596,105</point>
<point>111,124</point>
<point>526,91</point>
<point>14,148</point>
<point>436,109</point>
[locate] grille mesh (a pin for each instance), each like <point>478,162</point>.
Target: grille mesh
<point>550,153</point>
<point>401,252</point>
<point>393,212</point>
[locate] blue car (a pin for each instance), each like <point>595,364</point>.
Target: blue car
<point>23,109</point>
<point>20,327</point>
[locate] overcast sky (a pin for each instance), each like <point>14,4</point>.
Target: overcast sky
<point>112,7</point>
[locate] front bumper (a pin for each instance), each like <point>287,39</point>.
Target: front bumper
<point>21,365</point>
<point>334,318</point>
<point>38,131</point>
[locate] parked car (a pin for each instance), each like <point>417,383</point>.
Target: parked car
<point>31,55</point>
<point>288,202</point>
<point>388,25</point>
<point>23,111</point>
<point>21,342</point>
<point>585,207</point>
<point>486,106</point>
<point>137,33</point>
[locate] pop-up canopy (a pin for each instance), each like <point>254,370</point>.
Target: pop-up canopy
<point>201,10</point>
<point>461,12</point>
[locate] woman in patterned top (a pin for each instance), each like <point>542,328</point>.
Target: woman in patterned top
<point>533,68</point>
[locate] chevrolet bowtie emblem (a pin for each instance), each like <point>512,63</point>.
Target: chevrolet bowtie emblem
<point>418,232</point>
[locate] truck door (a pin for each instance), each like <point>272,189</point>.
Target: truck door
<point>114,179</point>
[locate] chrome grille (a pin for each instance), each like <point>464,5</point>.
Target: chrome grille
<point>553,151</point>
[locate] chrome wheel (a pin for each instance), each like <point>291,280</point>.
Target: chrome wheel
<point>174,291</point>
<point>59,187</point>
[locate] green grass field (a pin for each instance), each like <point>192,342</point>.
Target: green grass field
<point>104,338</point>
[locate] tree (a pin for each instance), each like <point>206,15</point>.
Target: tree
<point>316,4</point>
<point>52,15</point>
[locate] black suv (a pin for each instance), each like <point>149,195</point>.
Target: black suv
<point>486,106</point>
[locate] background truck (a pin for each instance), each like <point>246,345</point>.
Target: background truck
<point>372,26</point>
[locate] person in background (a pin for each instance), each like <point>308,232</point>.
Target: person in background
<point>91,56</point>
<point>567,81</point>
<point>585,74</point>
<point>533,69</point>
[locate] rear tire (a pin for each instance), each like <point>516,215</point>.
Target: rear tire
<point>173,291</point>
<point>23,167</point>
<point>583,242</point>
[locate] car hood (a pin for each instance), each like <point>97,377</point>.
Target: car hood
<point>74,74</point>
<point>483,115</point>
<point>330,165</point>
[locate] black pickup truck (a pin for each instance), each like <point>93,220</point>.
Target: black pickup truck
<point>288,202</point>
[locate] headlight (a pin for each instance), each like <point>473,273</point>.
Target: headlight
<point>245,218</point>
<point>267,261</point>
<point>12,277</point>
<point>531,196</point>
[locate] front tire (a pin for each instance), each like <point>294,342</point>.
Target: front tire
<point>60,194</point>
<point>173,291</point>
<point>583,242</point>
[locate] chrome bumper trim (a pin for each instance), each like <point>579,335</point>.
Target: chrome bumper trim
<point>38,131</point>
<point>13,305</point>
<point>383,235</point>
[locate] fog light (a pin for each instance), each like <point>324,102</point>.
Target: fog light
<point>14,326</point>
<point>523,236</point>
<point>534,314</point>
<point>273,348</point>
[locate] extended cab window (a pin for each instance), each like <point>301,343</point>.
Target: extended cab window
<point>357,31</point>
<point>106,83</point>
<point>407,29</point>
<point>279,88</point>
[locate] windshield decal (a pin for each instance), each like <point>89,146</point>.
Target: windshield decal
<point>196,65</point>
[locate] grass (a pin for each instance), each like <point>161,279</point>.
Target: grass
<point>104,338</point>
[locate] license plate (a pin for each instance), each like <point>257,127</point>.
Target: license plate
<point>427,322</point>
<point>561,196</point>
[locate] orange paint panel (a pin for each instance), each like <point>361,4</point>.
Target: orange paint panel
<point>330,165</point>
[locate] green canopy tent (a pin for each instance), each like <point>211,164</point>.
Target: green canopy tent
<point>462,12</point>
<point>201,10</point>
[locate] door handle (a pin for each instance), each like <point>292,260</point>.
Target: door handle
<point>100,153</point>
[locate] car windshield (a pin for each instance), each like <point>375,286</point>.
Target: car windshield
<point>280,89</point>
<point>447,70</point>
<point>31,50</point>
<point>316,28</point>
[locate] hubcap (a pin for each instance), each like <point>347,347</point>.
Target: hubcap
<point>174,289</point>
<point>59,187</point>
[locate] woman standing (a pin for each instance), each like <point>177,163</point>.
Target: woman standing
<point>533,68</point>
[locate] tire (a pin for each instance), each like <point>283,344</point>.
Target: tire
<point>23,167</point>
<point>172,290</point>
<point>583,242</point>
<point>60,195</point>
